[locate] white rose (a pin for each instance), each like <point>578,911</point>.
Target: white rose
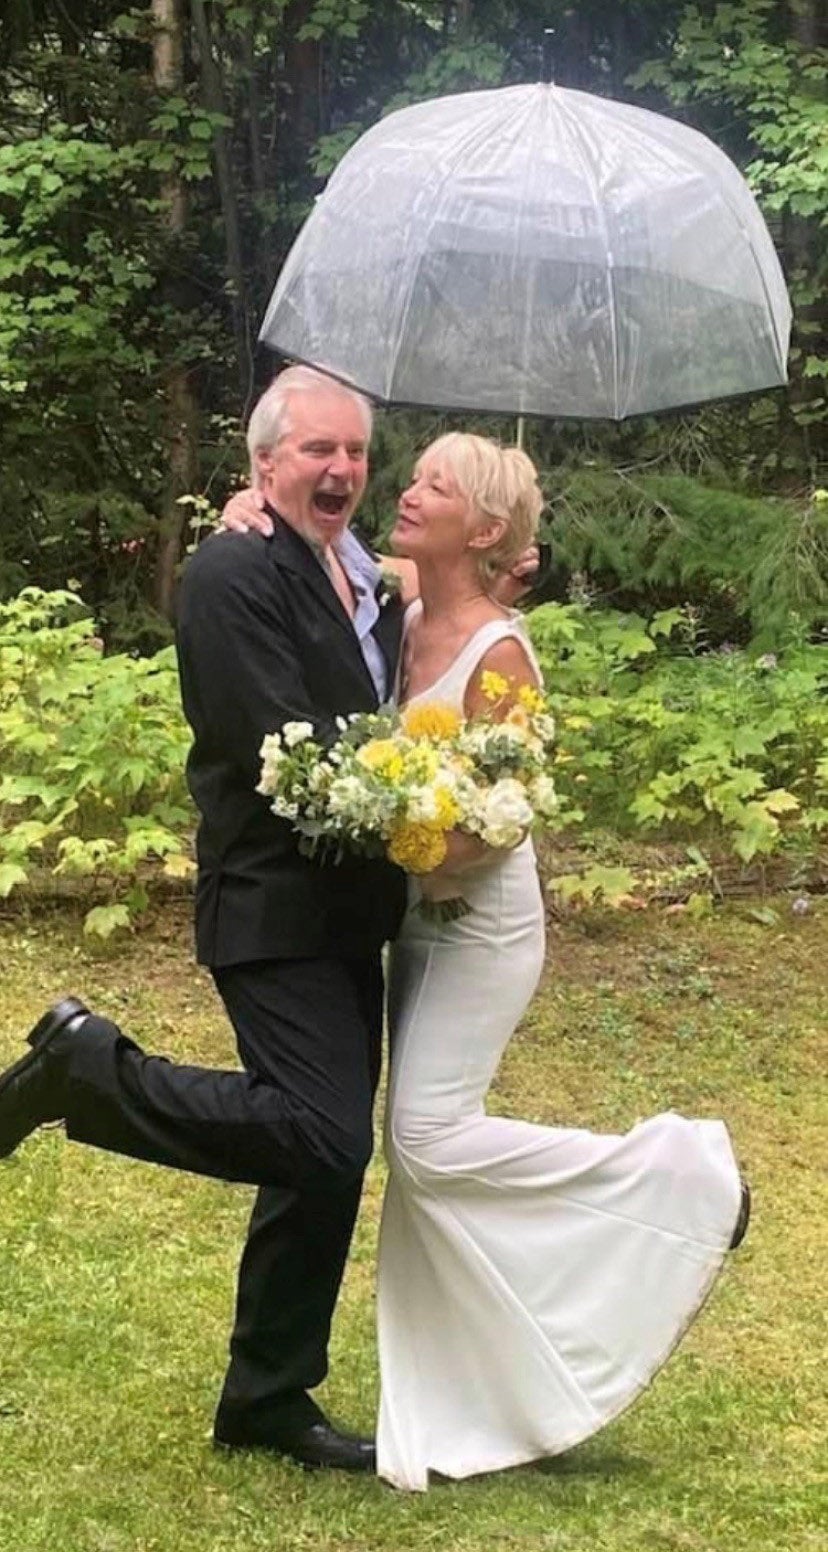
<point>297,733</point>
<point>505,814</point>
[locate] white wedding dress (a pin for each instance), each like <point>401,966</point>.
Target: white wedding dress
<point>532,1279</point>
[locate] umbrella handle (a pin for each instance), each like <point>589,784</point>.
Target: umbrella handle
<point>548,66</point>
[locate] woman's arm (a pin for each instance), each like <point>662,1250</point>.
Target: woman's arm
<point>245,512</point>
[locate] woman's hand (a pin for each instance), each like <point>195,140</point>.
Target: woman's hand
<point>464,854</point>
<point>245,511</point>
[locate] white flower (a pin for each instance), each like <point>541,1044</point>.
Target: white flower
<point>422,805</point>
<point>297,733</point>
<point>284,809</point>
<point>544,796</point>
<point>273,756</point>
<point>505,814</point>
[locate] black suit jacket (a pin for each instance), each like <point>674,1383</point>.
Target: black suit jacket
<point>263,639</point>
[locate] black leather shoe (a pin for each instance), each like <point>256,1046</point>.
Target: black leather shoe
<point>743,1219</point>
<point>315,1446</point>
<point>29,1091</point>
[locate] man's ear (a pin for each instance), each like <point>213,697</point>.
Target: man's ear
<point>265,463</point>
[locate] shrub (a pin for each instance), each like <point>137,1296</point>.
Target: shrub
<point>92,752</point>
<point>729,748</point>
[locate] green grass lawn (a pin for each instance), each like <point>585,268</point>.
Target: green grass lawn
<point>117,1279</point>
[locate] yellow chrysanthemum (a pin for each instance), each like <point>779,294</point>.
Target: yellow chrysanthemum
<point>431,720</point>
<point>383,756</point>
<point>493,685</point>
<point>531,698</point>
<point>448,809</point>
<point>416,847</point>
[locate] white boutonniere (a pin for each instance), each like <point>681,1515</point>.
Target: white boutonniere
<point>389,587</point>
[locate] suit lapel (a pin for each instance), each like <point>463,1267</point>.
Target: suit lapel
<point>388,634</point>
<point>295,555</point>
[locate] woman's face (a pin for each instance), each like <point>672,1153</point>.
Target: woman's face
<point>434,518</point>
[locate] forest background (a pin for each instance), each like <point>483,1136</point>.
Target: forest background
<point>155,165</point>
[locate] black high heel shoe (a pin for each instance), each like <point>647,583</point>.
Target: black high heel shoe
<point>741,1225</point>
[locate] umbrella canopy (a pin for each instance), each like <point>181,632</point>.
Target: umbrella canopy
<point>539,251</point>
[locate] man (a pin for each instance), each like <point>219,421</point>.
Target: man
<point>292,627</point>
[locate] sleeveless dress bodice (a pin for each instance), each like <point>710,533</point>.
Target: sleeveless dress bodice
<point>450,688</point>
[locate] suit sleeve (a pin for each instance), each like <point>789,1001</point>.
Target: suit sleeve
<point>241,673</point>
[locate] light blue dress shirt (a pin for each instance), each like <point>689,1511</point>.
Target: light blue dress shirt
<point>364,575</point>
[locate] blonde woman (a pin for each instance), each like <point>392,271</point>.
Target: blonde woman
<point>531,1279</point>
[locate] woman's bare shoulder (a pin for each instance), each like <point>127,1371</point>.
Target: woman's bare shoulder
<point>510,659</point>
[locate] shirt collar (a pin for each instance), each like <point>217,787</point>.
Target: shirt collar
<point>358,563</point>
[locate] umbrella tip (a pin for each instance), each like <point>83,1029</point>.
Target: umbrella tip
<point>548,67</point>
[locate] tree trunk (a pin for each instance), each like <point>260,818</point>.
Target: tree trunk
<point>254,115</point>
<point>181,409</point>
<point>463,11</point>
<point>302,82</point>
<point>212,96</point>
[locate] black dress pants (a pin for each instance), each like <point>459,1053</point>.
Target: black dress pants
<point>296,1122</point>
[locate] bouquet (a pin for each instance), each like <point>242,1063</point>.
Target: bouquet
<point>396,783</point>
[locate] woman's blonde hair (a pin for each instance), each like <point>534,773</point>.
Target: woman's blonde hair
<point>501,483</point>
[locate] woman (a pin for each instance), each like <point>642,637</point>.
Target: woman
<point>531,1279</point>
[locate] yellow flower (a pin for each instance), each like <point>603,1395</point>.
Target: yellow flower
<point>448,809</point>
<point>421,763</point>
<point>431,720</point>
<point>494,686</point>
<point>531,698</point>
<point>383,756</point>
<point>416,847</point>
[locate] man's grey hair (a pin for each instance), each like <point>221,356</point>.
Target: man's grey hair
<point>270,420</point>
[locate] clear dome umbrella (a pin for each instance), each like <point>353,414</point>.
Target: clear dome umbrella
<point>537,251</point>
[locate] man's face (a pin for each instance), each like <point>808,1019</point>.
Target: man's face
<point>316,473</point>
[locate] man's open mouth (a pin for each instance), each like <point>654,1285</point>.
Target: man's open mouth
<point>330,502</point>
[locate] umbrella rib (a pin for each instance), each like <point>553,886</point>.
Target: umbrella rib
<point>567,114</point>
<point>781,354</point>
<point>402,321</point>
<point>475,133</point>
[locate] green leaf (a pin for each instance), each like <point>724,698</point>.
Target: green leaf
<point>11,874</point>
<point>103,920</point>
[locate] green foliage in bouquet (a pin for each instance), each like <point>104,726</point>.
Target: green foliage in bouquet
<point>92,752</point>
<point>655,738</point>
